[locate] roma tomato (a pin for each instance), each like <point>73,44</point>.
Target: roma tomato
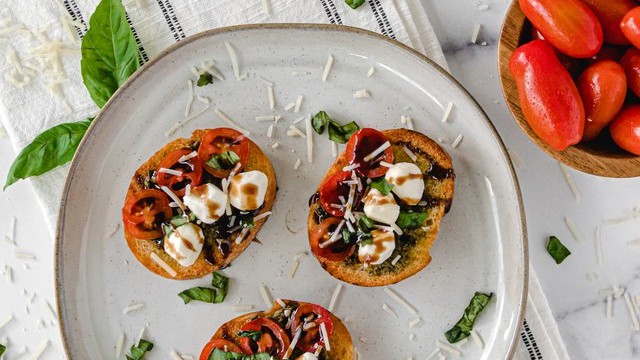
<point>603,88</point>
<point>548,96</point>
<point>631,64</point>
<point>569,25</point>
<point>625,129</point>
<point>630,26</point>
<point>610,13</point>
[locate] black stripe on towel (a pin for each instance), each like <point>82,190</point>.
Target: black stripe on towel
<point>174,18</point>
<point>167,17</point>
<point>385,19</point>
<point>76,15</point>
<point>334,10</point>
<point>327,11</point>
<point>530,343</point>
<point>143,53</point>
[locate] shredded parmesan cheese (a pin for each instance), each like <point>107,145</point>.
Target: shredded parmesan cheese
<point>266,118</point>
<point>265,296</point>
<point>294,268</point>
<point>476,33</point>
<point>290,106</point>
<point>226,119</point>
<point>334,237</point>
<point>632,312</point>
<point>327,68</point>
<point>598,243</point>
<point>325,336</point>
<point>187,109</point>
<point>395,260</point>
<point>414,322</point>
<point>309,139</point>
<point>609,306</point>
<point>173,196</point>
<point>447,112</point>
<point>242,308</point>
<point>371,71</point>
<point>360,94</point>
<point>334,297</point>
<point>6,320</point>
<point>297,164</point>
<point>23,255</point>
<point>570,182</point>
<point>262,216</point>
<point>275,145</point>
<point>119,346</point>
<point>242,235</point>
<point>234,60</point>
<point>40,349</point>
<point>132,308</point>
<point>457,141</point>
<point>298,103</point>
<point>182,122</point>
<point>174,355</point>
<point>377,151</point>
<point>163,264</point>
<point>401,301</point>
<point>409,153</point>
<point>170,171</point>
<point>297,131</point>
<point>334,149</point>
<point>281,303</point>
<point>272,99</point>
<point>389,310</point>
<point>573,229</point>
<point>434,353</point>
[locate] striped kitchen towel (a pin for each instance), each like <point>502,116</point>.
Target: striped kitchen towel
<point>30,105</point>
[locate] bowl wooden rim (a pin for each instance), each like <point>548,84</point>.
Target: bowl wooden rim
<point>583,157</point>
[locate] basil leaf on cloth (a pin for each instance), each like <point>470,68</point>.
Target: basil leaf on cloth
<point>462,329</point>
<point>109,51</point>
<point>50,149</point>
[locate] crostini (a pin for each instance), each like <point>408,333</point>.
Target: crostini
<point>377,211</point>
<point>289,330</point>
<point>198,203</point>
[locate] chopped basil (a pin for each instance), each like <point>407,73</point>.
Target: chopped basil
<point>367,241</point>
<point>205,79</point>
<point>166,229</point>
<point>253,335</point>
<point>338,133</point>
<point>246,220</point>
<point>138,352</point>
<point>462,329</point>
<point>382,185</point>
<point>347,236</point>
<point>2,349</point>
<point>218,354</point>
<point>354,4</point>
<point>213,295</point>
<point>225,161</point>
<point>365,224</point>
<point>177,221</point>
<point>411,219</point>
<point>557,251</point>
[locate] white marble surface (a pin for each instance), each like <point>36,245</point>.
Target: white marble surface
<point>576,304</point>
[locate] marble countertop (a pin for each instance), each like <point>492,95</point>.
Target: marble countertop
<point>572,288</point>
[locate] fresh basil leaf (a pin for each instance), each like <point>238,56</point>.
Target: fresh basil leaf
<point>109,51</point>
<point>367,241</point>
<point>216,295</point>
<point>52,148</point>
<point>205,79</point>
<point>225,161</point>
<point>2,349</point>
<point>410,219</point>
<point>178,220</point>
<point>218,354</point>
<point>247,221</point>
<point>557,251</point>
<point>253,335</point>
<point>349,128</point>
<point>320,121</point>
<point>462,329</point>
<point>382,185</point>
<point>335,133</point>
<point>348,237</point>
<point>365,224</point>
<point>354,4</point>
<point>138,352</point>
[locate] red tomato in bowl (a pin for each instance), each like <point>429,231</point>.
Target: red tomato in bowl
<point>569,25</point>
<point>625,129</point>
<point>630,26</point>
<point>631,64</point>
<point>548,96</point>
<point>610,13</point>
<point>603,89</point>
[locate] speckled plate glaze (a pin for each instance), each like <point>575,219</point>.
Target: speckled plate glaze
<point>481,246</point>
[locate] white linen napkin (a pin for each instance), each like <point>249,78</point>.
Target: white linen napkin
<point>27,111</point>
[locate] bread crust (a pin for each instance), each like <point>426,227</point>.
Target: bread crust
<point>340,341</point>
<point>142,249</point>
<point>417,257</point>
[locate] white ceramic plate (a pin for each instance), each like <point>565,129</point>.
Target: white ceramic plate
<point>481,245</point>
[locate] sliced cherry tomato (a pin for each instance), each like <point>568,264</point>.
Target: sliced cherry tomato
<point>221,140</point>
<point>631,64</point>
<point>625,129</point>
<point>569,25</point>
<point>630,26</point>
<point>269,329</point>
<point>548,96</point>
<point>331,190</point>
<point>220,344</point>
<point>144,212</point>
<point>304,316</point>
<point>610,13</point>
<point>603,88</point>
<point>362,143</point>
<point>178,183</point>
<point>338,251</point>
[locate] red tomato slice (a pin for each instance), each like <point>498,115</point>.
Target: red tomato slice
<point>362,143</point>
<point>331,190</point>
<point>311,338</point>
<point>143,213</point>
<point>269,329</point>
<point>220,344</point>
<point>338,251</point>
<point>178,183</point>
<point>221,140</point>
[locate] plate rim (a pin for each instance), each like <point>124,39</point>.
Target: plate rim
<point>84,144</point>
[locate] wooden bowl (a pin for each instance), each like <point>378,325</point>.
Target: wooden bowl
<point>600,157</point>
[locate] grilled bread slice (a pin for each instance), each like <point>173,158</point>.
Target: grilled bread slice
<point>142,249</point>
<point>340,341</point>
<point>414,245</point>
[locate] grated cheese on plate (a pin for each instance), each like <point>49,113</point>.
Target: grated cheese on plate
<point>233,124</point>
<point>401,301</point>
<point>166,267</point>
<point>327,68</point>
<point>334,297</point>
<point>265,296</point>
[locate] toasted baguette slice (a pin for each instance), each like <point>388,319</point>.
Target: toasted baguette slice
<point>414,245</point>
<point>340,341</point>
<point>142,249</point>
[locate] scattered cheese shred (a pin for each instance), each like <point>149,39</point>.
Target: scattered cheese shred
<point>297,164</point>
<point>242,308</point>
<point>476,33</point>
<point>298,103</point>
<point>309,139</point>
<point>609,310</point>
<point>163,265</point>
<point>226,119</point>
<point>361,94</point>
<point>23,255</point>
<point>433,354</point>
<point>173,197</point>
<point>294,268</point>
<point>262,216</point>
<point>170,171</point>
<point>272,99</point>
<point>119,346</point>
<point>570,182</point>
<point>457,141</point>
<point>412,336</point>
<point>334,237</point>
<point>187,109</point>
<point>389,310</point>
<point>325,336</point>
<point>266,118</point>
<point>294,342</point>
<point>40,350</point>
<point>573,229</point>
<point>234,60</point>
<point>371,71</point>
<point>6,320</point>
<point>50,311</point>
<point>327,68</point>
<point>632,312</point>
<point>265,296</point>
<point>447,112</point>
<point>175,355</point>
<point>141,334</point>
<point>377,151</point>
<point>448,348</point>
<point>281,303</point>
<point>242,235</point>
<point>334,297</point>
<point>395,260</point>
<point>598,243</point>
<point>182,122</point>
<point>410,153</point>
<point>275,145</point>
<point>294,129</point>
<point>131,308</point>
<point>290,106</point>
<point>401,301</point>
<point>414,322</point>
